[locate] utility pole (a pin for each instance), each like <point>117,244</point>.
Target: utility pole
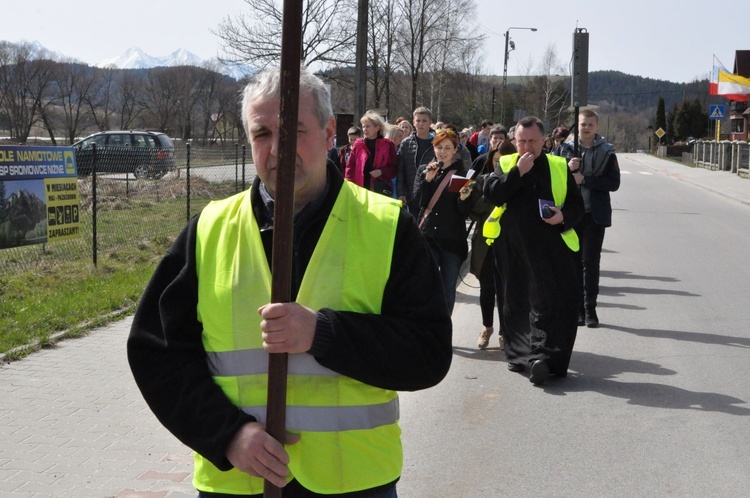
<point>508,43</point>
<point>493,103</point>
<point>360,84</point>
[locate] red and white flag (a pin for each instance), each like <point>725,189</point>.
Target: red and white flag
<point>728,85</point>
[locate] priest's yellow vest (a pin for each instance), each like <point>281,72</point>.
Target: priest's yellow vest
<point>558,170</point>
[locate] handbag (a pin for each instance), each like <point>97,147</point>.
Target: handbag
<point>381,187</point>
<point>435,197</point>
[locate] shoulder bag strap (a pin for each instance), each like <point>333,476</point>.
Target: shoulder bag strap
<point>436,196</point>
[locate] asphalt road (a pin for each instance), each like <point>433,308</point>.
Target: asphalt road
<point>656,402</point>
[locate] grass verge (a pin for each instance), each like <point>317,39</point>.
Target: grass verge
<point>70,298</point>
<point>62,294</point>
<point>74,297</point>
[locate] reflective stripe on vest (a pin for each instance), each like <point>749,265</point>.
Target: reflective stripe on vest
<point>558,168</point>
<point>558,171</point>
<point>491,228</point>
<point>333,419</point>
<point>255,362</point>
<point>350,439</point>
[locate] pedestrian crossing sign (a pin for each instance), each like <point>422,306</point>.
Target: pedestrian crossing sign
<point>716,112</point>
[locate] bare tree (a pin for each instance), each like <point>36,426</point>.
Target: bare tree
<point>227,117</point>
<point>6,57</point>
<point>216,92</point>
<point>382,32</point>
<point>552,87</point>
<point>163,92</point>
<point>429,26</point>
<point>625,130</point>
<point>25,78</point>
<point>130,99</point>
<point>465,94</point>
<point>328,33</point>
<point>454,44</point>
<point>101,99</point>
<point>189,79</point>
<point>421,18</point>
<point>75,88</point>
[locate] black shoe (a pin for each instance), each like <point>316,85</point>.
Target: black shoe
<point>592,321</point>
<point>515,367</point>
<point>581,318</point>
<point>539,372</point>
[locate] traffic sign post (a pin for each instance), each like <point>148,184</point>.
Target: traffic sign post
<point>716,112</point>
<point>660,133</point>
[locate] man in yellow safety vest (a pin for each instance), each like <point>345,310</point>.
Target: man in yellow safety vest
<point>366,322</point>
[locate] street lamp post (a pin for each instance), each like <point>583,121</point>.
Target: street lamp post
<point>512,45</point>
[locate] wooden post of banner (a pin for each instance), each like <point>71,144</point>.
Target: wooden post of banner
<point>579,79</point>
<point>283,217</point>
<point>576,152</point>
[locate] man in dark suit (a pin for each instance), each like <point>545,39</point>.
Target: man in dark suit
<point>598,174</point>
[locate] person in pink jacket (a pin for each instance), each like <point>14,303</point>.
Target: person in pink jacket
<point>372,163</point>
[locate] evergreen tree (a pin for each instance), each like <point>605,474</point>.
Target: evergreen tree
<point>661,115</point>
<point>681,122</point>
<point>690,121</point>
<point>698,119</point>
<point>670,129</point>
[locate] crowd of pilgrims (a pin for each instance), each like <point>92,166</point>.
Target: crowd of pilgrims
<point>443,176</point>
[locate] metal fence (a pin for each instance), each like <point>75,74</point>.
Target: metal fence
<point>121,212</point>
<point>726,155</point>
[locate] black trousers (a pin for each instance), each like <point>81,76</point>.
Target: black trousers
<point>591,237</point>
<point>490,290</point>
<point>541,293</point>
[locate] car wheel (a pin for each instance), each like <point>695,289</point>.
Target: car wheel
<point>141,171</point>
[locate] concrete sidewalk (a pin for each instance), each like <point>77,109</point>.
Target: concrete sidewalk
<point>724,183</point>
<point>73,424</point>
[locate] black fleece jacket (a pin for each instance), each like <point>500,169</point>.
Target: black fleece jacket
<point>407,347</point>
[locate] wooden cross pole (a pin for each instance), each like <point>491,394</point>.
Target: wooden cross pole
<point>283,217</point>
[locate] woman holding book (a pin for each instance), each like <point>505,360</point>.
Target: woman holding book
<point>443,210</point>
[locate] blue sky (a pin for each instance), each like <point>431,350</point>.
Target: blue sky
<point>35,187</point>
<point>668,39</point>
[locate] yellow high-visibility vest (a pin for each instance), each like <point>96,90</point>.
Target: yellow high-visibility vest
<point>350,438</point>
<point>558,170</point>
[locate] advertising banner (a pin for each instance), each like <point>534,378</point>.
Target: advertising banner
<point>38,195</point>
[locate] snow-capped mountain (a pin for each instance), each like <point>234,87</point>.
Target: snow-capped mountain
<point>40,51</point>
<point>135,58</point>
